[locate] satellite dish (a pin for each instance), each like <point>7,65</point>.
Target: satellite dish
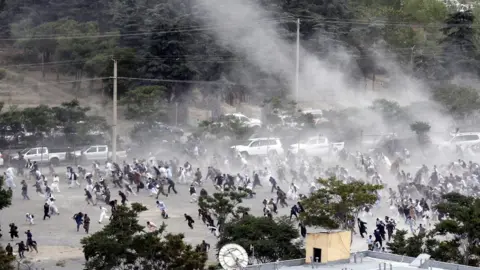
<point>233,256</point>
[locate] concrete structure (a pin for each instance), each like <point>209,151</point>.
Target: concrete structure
<point>366,260</point>
<point>196,116</point>
<point>328,246</point>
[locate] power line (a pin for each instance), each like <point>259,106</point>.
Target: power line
<point>178,81</point>
<point>223,58</point>
<point>229,26</point>
<point>116,34</point>
<point>41,83</point>
<point>44,63</point>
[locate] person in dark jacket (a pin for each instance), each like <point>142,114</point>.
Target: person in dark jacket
<point>78,219</point>
<point>46,210</point>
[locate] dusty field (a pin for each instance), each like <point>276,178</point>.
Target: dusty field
<point>58,240</point>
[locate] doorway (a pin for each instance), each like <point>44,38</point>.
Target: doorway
<point>317,255</point>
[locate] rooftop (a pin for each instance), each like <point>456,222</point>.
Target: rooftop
<point>366,260</point>
<point>368,263</point>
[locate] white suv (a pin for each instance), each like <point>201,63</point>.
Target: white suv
<point>260,147</point>
<point>464,139</point>
<point>249,122</point>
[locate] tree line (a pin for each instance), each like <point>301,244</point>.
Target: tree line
<point>37,125</point>
<point>429,39</point>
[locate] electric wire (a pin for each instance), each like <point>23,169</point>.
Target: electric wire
<point>290,19</point>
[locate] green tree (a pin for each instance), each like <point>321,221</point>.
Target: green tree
<point>415,245</point>
<point>460,102</point>
<point>337,205</point>
<point>12,118</point>
<point>145,103</point>
<point>459,43</point>
<point>391,111</point>
<point>411,246</point>
<point>223,204</point>
<point>463,222</point>
<point>5,201</point>
<point>265,239</point>
<point>421,129</point>
<point>123,244</point>
<point>47,40</point>
<point>69,115</point>
<point>399,243</point>
<point>5,195</point>
<point>76,123</point>
<point>444,251</point>
<point>38,119</point>
<point>6,262</point>
<point>307,120</point>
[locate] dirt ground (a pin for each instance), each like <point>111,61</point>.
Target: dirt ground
<point>59,241</point>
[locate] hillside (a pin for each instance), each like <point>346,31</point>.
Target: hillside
<point>27,89</point>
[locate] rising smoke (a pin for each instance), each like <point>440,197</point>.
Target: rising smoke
<point>255,35</point>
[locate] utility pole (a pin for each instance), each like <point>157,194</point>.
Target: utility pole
<point>411,57</point>
<point>176,114</point>
<point>297,66</point>
<point>43,66</point>
<point>114,122</point>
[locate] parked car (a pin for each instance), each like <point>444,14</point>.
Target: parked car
<point>316,146</point>
<point>48,155</point>
<point>99,153</point>
<point>260,147</point>
<point>462,139</point>
<point>250,122</point>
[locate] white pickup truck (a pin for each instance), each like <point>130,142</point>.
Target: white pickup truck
<point>316,146</point>
<point>47,155</point>
<point>100,153</point>
<point>260,147</point>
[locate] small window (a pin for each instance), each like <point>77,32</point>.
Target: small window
<point>272,142</point>
<point>465,138</point>
<point>91,150</point>
<point>322,140</point>
<point>312,141</point>
<point>471,138</point>
<point>255,144</point>
<point>102,149</point>
<point>43,150</point>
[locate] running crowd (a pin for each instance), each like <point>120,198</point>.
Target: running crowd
<point>406,198</point>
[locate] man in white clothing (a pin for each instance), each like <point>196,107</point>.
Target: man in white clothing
<point>9,176</point>
<point>163,172</point>
<point>55,186</point>
<point>29,218</point>
<point>103,214</point>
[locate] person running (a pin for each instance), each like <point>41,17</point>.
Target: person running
<point>78,219</point>
<point>9,250</point>
<point>123,196</point>
<point>151,226</point>
<point>46,211</point>
<point>171,186</point>
<point>31,244</point>
<point>189,220</point>
<point>103,214</point>
<point>29,218</point>
<point>86,223</point>
<point>21,249</point>
<point>13,231</point>
<point>89,197</point>
<point>25,190</point>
